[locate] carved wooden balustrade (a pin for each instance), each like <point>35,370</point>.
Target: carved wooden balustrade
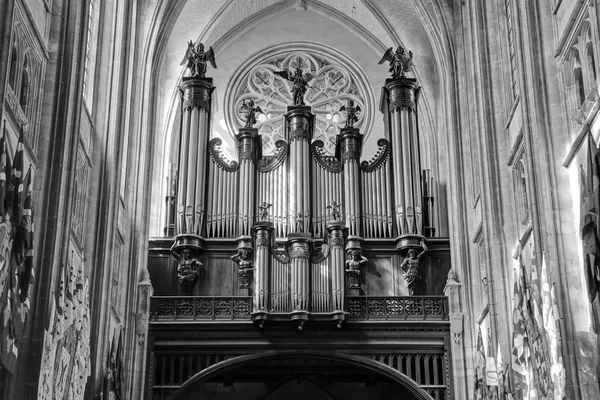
<point>236,308</point>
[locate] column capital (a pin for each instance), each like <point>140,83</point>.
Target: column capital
<point>248,144</point>
<point>197,93</point>
<point>402,93</point>
<point>349,144</point>
<point>299,120</point>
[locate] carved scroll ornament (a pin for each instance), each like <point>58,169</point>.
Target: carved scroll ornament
<point>219,158</point>
<point>328,163</point>
<point>269,163</point>
<point>379,158</point>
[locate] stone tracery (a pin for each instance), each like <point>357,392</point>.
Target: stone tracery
<point>333,85</point>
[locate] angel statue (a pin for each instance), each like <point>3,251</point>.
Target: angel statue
<point>353,267</point>
<point>351,110</point>
<point>246,266</point>
<point>410,266</point>
<point>400,62</point>
<point>299,83</point>
<point>196,59</point>
<point>336,215</point>
<point>250,109</point>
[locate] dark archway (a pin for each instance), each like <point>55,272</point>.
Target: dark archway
<point>299,374</point>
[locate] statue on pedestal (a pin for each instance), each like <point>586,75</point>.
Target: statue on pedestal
<point>250,109</point>
<point>188,268</point>
<point>299,83</point>
<point>353,267</point>
<point>410,266</point>
<point>245,267</point>
<point>400,62</point>
<point>196,59</point>
<point>351,111</point>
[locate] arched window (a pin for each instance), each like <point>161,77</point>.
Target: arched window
<point>12,77</point>
<point>578,78</point>
<point>24,94</point>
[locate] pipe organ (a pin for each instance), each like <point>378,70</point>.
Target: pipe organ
<point>300,215</point>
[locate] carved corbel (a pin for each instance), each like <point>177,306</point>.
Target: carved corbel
<point>280,254</point>
<point>243,259</point>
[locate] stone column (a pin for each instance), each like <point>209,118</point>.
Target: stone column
<point>195,130</point>
<point>262,259</point>
<point>299,122</point>
<point>338,293</point>
<point>402,94</point>
<point>248,142</point>
<point>351,149</point>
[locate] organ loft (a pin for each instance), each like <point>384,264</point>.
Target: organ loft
<point>293,261</point>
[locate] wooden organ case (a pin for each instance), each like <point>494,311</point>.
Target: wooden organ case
<point>301,256</point>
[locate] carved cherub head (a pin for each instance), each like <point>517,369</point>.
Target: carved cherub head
<point>186,254</point>
<point>412,253</point>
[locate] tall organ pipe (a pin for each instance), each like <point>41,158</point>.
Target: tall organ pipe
<point>402,94</point>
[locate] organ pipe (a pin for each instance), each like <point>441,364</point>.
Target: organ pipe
<point>402,95</point>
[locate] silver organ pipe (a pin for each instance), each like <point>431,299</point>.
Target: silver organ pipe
<point>301,184</point>
<point>402,102</point>
<point>350,148</point>
<point>192,165</point>
<point>376,193</point>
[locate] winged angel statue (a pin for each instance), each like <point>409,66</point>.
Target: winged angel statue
<point>400,62</point>
<point>299,83</point>
<point>196,59</point>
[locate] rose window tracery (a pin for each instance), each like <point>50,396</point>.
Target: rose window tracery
<point>333,84</point>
